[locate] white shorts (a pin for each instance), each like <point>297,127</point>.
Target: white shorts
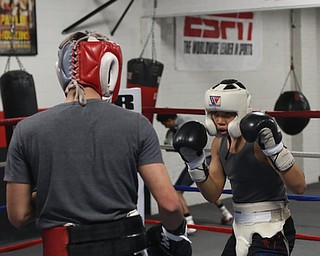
<point>264,218</point>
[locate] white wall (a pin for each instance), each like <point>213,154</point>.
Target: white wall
<point>169,8</point>
<point>185,89</point>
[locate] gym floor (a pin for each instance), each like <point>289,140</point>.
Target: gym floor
<point>208,243</point>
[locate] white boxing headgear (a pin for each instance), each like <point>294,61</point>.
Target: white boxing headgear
<point>90,60</point>
<point>228,96</point>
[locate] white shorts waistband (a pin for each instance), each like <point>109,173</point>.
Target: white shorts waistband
<point>260,212</point>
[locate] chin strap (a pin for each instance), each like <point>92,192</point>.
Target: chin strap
<point>107,99</point>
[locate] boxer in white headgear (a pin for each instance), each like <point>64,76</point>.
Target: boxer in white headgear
<point>247,150</point>
<point>90,60</point>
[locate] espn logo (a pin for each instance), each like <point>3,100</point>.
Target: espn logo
<point>220,26</point>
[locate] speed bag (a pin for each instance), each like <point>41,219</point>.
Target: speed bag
<point>292,101</point>
<point>18,96</point>
<point>145,74</point>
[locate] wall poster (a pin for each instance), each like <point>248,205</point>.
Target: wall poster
<point>18,34</point>
<point>221,42</point>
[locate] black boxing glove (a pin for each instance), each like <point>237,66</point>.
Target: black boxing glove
<point>189,141</point>
<point>169,243</point>
<point>263,128</point>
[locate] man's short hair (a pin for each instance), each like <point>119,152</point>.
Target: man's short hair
<point>164,117</point>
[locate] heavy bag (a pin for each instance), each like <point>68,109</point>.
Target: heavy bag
<point>145,74</point>
<point>292,101</point>
<point>18,96</point>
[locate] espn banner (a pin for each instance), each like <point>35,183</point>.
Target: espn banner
<point>221,42</point>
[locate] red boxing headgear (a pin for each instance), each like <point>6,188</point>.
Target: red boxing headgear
<point>90,59</point>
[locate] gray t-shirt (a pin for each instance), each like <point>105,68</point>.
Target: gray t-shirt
<point>83,159</point>
<point>181,120</point>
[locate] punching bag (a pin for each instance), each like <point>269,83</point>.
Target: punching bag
<point>292,101</point>
<point>18,96</point>
<point>145,74</point>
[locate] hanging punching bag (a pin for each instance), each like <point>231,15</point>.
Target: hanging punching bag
<point>18,96</point>
<point>145,74</point>
<point>292,101</point>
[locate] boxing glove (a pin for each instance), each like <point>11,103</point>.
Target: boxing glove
<point>264,129</point>
<point>169,243</point>
<point>189,141</point>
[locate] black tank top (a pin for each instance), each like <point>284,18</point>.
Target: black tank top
<point>251,181</point>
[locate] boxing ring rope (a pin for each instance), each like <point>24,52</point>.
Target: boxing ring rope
<point>295,153</point>
<point>21,246</point>
<point>10,121</point>
<point>151,110</point>
<point>229,192</point>
<point>229,230</point>
<point>289,114</point>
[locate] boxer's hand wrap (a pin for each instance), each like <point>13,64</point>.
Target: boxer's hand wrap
<point>173,242</point>
<point>189,141</point>
<point>198,169</point>
<point>264,129</point>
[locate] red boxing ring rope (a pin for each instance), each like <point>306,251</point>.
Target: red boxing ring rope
<point>229,230</point>
<point>10,121</point>
<point>289,114</point>
<point>21,245</point>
